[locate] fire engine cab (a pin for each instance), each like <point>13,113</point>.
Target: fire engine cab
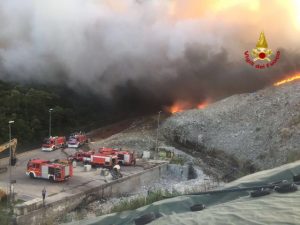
<point>53,171</point>
<point>125,158</point>
<point>102,160</point>
<point>52,143</point>
<point>81,155</point>
<point>76,140</point>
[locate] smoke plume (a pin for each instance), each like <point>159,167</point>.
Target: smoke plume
<point>146,52</point>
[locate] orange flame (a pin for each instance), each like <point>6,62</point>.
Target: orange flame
<point>287,80</point>
<point>175,108</point>
<point>181,106</point>
<point>178,107</point>
<point>202,105</point>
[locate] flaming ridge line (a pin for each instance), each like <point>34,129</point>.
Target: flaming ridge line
<point>290,79</point>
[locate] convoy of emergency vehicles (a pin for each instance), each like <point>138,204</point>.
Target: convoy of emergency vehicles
<point>60,170</point>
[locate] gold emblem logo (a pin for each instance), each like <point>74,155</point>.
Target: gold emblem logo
<point>261,52</point>
<point>256,57</point>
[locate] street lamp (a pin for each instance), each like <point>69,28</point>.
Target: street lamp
<point>10,158</point>
<point>50,110</point>
<point>157,130</point>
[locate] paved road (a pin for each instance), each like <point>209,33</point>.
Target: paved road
<point>27,188</point>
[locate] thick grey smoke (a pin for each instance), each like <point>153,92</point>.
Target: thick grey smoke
<point>140,51</point>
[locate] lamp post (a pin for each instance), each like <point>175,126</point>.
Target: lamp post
<point>50,110</point>
<point>156,145</point>
<point>10,158</point>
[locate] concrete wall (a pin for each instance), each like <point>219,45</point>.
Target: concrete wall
<point>33,212</point>
<point>179,171</point>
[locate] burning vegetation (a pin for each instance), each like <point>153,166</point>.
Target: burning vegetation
<point>180,106</point>
<point>287,80</point>
<point>203,105</point>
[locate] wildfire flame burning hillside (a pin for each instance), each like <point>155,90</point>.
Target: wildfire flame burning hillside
<point>175,108</point>
<point>287,80</point>
<point>178,107</point>
<point>181,106</point>
<point>203,105</point>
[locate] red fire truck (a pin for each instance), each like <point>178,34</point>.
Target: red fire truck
<point>52,143</point>
<point>80,155</point>
<point>53,171</point>
<point>77,139</point>
<point>86,156</point>
<point>125,158</point>
<point>108,151</point>
<point>103,160</point>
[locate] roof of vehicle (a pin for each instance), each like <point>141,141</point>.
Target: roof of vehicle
<point>104,155</point>
<point>124,152</point>
<point>38,161</point>
<point>53,164</point>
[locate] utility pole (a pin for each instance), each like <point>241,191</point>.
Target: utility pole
<point>10,160</point>
<point>50,110</point>
<point>156,146</point>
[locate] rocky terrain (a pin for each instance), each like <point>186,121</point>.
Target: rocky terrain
<point>139,135</point>
<point>228,139</point>
<point>258,130</point>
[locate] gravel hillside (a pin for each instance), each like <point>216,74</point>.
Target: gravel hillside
<point>139,136</point>
<point>261,128</point>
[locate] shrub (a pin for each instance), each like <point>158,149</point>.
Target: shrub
<point>138,202</point>
<point>2,195</point>
<point>177,160</point>
<point>293,156</point>
<point>285,133</point>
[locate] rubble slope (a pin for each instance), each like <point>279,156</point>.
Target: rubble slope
<point>262,128</point>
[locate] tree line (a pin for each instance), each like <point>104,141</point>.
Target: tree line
<point>29,107</point>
